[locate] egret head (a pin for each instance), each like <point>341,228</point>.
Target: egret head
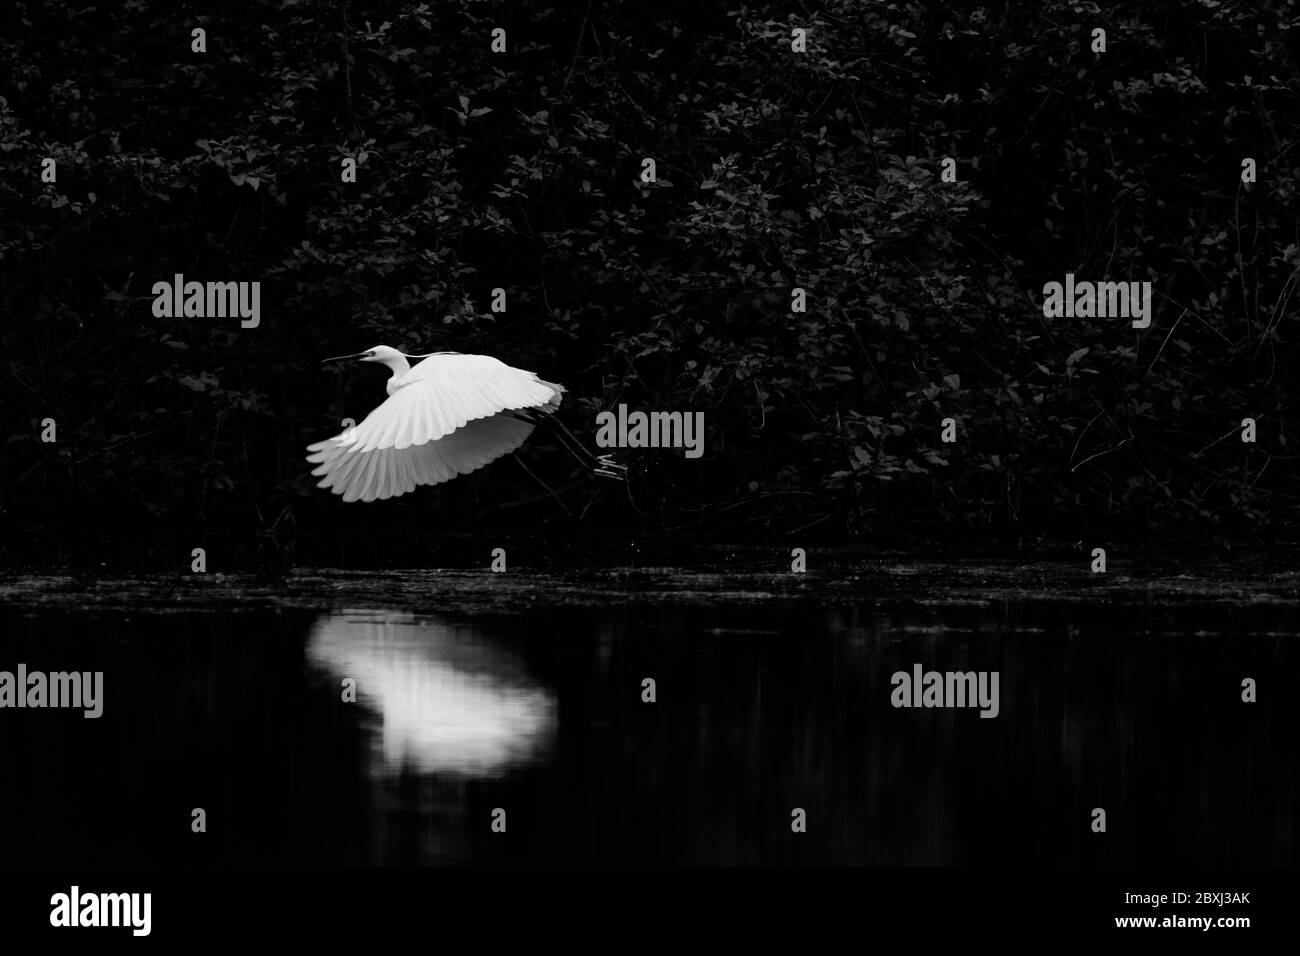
<point>382,354</point>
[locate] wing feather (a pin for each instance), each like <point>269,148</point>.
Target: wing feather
<point>443,393</point>
<point>348,470</point>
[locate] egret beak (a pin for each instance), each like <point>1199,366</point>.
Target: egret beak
<point>344,358</point>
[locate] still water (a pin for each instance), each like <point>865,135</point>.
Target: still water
<point>387,719</point>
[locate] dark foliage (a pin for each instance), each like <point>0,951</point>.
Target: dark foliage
<point>521,171</point>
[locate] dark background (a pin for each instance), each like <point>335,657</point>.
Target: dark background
<point>775,170</point>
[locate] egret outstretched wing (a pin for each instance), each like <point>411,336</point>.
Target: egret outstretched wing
<point>387,472</point>
<point>444,392</point>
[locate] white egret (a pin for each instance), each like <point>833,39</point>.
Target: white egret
<point>449,415</point>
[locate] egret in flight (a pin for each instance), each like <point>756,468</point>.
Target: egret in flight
<point>449,415</point>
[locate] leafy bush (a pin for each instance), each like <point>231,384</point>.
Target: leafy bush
<point>775,170</point>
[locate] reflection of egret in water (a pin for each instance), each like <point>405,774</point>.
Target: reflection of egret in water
<point>450,702</point>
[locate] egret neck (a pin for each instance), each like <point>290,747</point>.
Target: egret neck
<point>398,363</point>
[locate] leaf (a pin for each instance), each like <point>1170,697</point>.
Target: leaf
<point>200,384</point>
<point>1076,355</point>
<point>954,381</point>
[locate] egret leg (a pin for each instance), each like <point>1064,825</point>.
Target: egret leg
<point>603,465</point>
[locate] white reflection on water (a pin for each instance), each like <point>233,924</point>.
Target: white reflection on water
<point>449,701</point>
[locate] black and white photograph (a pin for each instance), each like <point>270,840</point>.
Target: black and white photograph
<point>649,469</point>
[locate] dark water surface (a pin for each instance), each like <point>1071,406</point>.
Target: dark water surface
<point>478,691</point>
